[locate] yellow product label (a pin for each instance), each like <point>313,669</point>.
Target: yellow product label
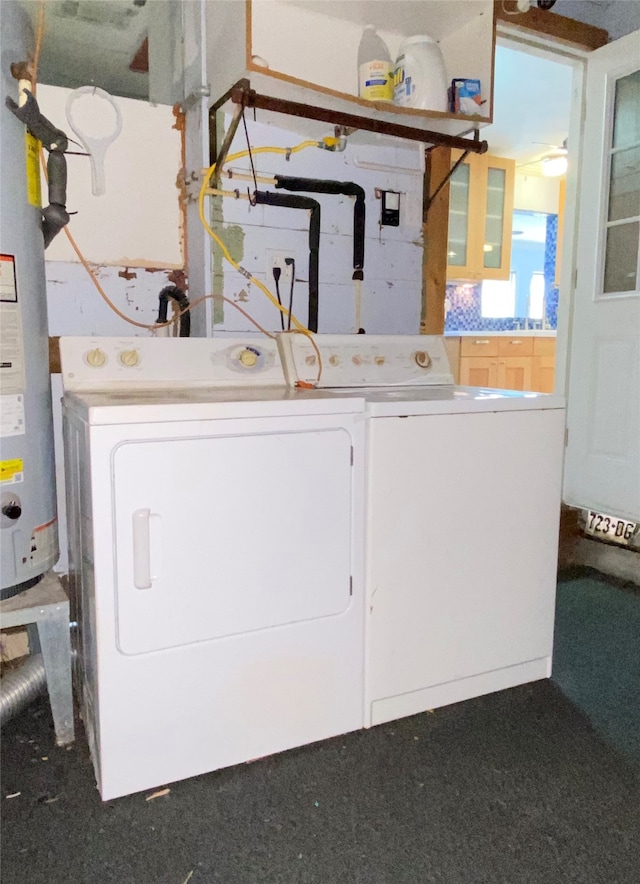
<point>376,81</point>
<point>32,150</point>
<point>11,470</point>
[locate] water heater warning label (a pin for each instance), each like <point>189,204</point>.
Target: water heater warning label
<point>11,343</point>
<point>8,289</point>
<point>34,194</point>
<point>12,415</point>
<point>11,471</point>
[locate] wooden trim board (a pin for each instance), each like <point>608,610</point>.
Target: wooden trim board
<point>550,24</point>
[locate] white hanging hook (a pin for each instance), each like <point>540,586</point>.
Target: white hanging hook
<point>96,146</point>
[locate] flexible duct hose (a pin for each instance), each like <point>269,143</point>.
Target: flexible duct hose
<point>172,291</point>
<point>21,687</point>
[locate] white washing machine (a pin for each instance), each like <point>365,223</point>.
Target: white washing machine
<point>463,507</point>
<point>216,555</point>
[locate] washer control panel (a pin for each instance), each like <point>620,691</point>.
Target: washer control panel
<point>364,360</point>
<point>105,363</point>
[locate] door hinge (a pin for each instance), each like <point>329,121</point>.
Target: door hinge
<point>350,585</point>
<point>566,436</point>
<point>352,455</point>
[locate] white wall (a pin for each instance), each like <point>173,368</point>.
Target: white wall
<point>536,193</point>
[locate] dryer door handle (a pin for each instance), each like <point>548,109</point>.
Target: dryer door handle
<point>141,549</point>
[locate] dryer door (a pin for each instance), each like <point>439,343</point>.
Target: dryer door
<point>224,535</point>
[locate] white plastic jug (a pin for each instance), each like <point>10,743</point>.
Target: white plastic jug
<point>375,68</point>
<point>420,78</point>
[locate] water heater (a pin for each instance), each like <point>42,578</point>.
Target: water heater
<point>28,523</point>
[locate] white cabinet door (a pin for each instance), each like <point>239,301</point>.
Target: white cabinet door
<point>603,454</point>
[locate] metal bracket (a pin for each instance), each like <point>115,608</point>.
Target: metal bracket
<point>244,96</point>
<point>226,143</point>
<point>445,180</point>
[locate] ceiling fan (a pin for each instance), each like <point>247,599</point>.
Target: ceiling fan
<point>553,162</point>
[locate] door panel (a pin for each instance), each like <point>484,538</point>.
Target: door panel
<point>516,373</point>
<point>603,414</point>
<point>217,536</point>
<point>478,371</point>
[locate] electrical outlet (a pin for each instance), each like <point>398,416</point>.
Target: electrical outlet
<point>278,259</point>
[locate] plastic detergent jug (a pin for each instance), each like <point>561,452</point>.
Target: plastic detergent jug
<point>375,68</point>
<point>419,77</point>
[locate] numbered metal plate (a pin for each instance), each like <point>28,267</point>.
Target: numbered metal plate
<point>611,528</point>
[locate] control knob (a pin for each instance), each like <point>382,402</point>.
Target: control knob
<point>248,358</point>
<point>422,359</point>
<point>129,358</point>
<point>96,358</point>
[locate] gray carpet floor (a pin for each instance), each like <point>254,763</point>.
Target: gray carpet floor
<point>519,786</point>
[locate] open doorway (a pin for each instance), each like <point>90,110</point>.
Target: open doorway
<point>533,99</point>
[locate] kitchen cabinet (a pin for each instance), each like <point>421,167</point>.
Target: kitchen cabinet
<point>543,365</point>
<point>509,362</point>
<point>480,213</point>
<point>306,51</point>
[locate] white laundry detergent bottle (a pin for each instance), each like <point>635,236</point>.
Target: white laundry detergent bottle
<point>375,67</point>
<point>419,77</point>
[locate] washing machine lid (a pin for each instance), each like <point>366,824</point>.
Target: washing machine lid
<point>452,399</point>
<point>444,399</point>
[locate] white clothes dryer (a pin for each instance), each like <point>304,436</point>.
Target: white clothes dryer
<point>216,555</point>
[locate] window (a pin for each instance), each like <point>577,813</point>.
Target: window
<point>621,257</point>
<point>498,298</point>
<point>536,295</point>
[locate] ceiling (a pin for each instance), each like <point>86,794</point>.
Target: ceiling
<point>92,42</point>
<point>95,41</point>
<point>532,104</point>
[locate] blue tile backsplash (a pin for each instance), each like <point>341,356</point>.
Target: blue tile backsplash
<point>463,300</point>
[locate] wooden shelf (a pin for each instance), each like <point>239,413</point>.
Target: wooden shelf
<point>305,51</point>
<point>381,124</point>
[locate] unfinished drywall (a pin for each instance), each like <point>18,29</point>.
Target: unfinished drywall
<point>390,301</point>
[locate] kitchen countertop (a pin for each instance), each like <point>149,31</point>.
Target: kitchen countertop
<point>514,332</point>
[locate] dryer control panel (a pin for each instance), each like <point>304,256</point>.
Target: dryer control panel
<point>364,360</point>
<point>95,363</point>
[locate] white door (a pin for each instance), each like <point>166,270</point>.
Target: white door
<point>603,452</point>
<point>220,536</point>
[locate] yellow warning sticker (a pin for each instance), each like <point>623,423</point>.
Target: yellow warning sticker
<point>32,150</point>
<point>11,471</point>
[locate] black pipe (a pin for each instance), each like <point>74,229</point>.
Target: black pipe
<point>172,291</point>
<point>55,215</point>
<point>313,206</point>
<point>348,188</point>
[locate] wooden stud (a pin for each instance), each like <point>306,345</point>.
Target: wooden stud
<point>54,355</point>
<point>550,24</point>
<point>436,238</point>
